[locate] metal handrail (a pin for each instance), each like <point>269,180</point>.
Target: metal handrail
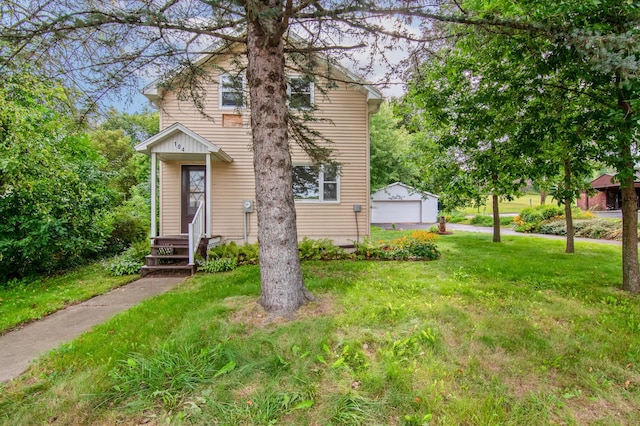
<point>196,232</point>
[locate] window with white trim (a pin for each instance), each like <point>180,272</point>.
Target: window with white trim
<point>300,91</point>
<point>231,91</point>
<point>311,183</point>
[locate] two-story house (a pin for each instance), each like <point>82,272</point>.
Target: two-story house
<point>208,160</point>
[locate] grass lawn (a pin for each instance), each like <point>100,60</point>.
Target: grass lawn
<point>516,333</point>
<point>529,199</point>
<point>26,301</point>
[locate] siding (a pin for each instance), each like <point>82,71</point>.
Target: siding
<point>233,182</point>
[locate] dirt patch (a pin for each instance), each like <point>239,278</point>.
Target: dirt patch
<point>248,311</point>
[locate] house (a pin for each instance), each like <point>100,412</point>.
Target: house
<point>204,166</point>
<point>400,203</point>
<point>607,195</point>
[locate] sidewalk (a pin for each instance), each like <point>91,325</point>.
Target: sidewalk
<point>20,347</point>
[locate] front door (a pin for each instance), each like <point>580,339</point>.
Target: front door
<point>193,191</point>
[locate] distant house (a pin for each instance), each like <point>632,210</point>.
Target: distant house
<point>608,196</point>
<point>204,167</point>
<point>400,203</point>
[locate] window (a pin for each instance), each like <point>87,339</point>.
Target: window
<point>300,91</point>
<point>231,91</point>
<point>312,183</point>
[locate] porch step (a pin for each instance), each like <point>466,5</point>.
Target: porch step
<point>174,268</point>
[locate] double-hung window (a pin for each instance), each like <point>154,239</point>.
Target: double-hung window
<point>300,91</point>
<point>231,91</point>
<point>312,183</point>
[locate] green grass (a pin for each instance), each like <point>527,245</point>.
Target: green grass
<point>529,199</point>
<point>28,300</point>
<point>491,334</point>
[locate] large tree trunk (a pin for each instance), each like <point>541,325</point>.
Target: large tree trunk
<point>570,247</point>
<point>496,218</point>
<point>630,279</point>
<point>630,273</point>
<point>283,289</point>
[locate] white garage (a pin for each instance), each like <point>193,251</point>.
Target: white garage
<point>400,203</point>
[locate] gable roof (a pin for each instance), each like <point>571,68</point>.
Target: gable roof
<point>153,91</point>
<point>178,141</point>
<point>383,193</point>
<point>610,181</point>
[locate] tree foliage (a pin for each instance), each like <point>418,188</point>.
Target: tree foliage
<point>52,191</point>
<point>565,86</point>
<point>390,156</point>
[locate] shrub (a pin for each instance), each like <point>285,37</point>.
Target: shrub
<point>246,254</point>
<point>455,217</point>
<point>419,245</point>
<point>322,249</point>
<point>481,220</point>
<point>556,227</point>
<point>539,213</point>
<point>530,219</point>
<point>506,220</point>
<point>129,262</point>
<point>129,222</point>
<point>219,265</point>
<point>610,229</point>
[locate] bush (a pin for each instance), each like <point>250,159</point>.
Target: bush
<point>246,254</point>
<point>506,220</point>
<point>544,220</point>
<point>531,218</point>
<point>455,217</point>
<point>481,220</point>
<point>539,213</point>
<point>219,265</point>
<point>322,249</point>
<point>129,262</point>
<point>610,229</point>
<point>556,227</point>
<point>420,245</point>
<point>128,223</point>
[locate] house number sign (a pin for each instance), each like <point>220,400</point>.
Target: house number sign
<point>178,146</point>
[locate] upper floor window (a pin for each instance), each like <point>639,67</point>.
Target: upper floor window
<point>312,183</point>
<point>300,91</point>
<point>231,91</point>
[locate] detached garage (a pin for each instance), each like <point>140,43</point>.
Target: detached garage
<point>400,203</point>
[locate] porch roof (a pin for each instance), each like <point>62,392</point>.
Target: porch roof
<point>178,142</point>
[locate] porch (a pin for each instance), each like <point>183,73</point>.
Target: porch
<point>191,199</point>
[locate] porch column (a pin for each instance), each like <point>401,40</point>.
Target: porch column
<point>207,196</point>
<point>154,162</point>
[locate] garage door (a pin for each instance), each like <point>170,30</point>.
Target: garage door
<point>395,211</point>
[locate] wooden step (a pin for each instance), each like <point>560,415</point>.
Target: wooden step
<point>168,256</point>
<point>147,269</point>
<point>168,259</point>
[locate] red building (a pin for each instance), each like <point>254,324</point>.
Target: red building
<point>608,195</point>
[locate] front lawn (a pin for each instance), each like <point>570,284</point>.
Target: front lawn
<point>515,333</point>
<point>31,299</point>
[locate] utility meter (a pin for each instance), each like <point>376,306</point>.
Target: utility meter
<point>247,206</point>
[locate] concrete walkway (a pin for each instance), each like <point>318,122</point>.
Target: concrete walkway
<point>20,347</point>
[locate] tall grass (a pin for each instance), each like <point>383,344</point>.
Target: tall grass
<point>505,334</point>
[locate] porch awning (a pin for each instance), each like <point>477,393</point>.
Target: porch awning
<point>178,142</point>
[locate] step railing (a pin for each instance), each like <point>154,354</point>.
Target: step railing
<point>196,232</point>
